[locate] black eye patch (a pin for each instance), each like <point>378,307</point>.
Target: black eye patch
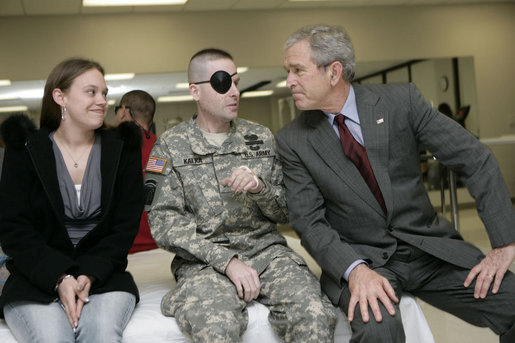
<point>221,81</point>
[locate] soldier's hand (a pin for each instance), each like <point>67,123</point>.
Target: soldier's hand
<point>243,179</point>
<point>245,279</point>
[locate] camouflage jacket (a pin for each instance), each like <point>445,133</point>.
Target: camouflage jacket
<point>199,220</point>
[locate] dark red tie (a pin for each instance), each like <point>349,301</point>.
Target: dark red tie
<point>357,154</point>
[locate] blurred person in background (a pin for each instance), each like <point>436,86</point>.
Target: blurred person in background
<point>139,107</point>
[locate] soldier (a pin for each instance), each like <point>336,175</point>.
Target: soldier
<point>215,193</point>
<point>139,107</point>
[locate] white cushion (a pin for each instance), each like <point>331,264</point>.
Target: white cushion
<point>152,274</point>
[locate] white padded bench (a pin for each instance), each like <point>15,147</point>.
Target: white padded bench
<point>151,270</point>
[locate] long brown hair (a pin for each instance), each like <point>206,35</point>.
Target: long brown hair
<point>62,77</point>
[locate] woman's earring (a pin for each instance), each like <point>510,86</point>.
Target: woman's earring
<point>63,111</point>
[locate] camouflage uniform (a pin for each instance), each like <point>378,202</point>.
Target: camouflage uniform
<point>205,225</point>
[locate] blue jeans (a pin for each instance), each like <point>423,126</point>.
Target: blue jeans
<point>103,319</point>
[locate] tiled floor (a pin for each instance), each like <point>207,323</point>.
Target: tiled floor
<point>445,327</point>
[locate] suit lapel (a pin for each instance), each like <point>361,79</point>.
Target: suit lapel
<point>326,143</point>
<point>374,127</point>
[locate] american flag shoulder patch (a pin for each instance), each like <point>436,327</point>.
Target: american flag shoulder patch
<point>156,165</point>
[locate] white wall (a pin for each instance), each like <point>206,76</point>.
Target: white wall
<point>164,42</point>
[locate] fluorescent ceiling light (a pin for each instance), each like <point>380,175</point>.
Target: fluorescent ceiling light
<point>111,102</point>
<point>182,85</point>
<point>8,97</point>
<point>241,70</point>
<point>118,90</point>
<point>257,94</point>
<point>36,93</point>
<point>281,84</point>
<point>121,76</point>
<point>13,109</point>
<point>31,93</point>
<point>93,3</point>
<point>174,98</point>
<point>5,82</point>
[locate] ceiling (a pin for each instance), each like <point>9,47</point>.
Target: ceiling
<point>29,93</point>
<point>74,7</point>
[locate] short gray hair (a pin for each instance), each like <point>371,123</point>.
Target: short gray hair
<point>328,44</point>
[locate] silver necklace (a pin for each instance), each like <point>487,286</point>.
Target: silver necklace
<point>75,162</point>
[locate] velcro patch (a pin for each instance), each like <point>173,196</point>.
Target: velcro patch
<point>156,165</point>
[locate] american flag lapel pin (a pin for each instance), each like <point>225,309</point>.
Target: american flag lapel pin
<point>380,121</point>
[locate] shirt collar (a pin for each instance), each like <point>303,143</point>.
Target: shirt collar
<point>350,109</point>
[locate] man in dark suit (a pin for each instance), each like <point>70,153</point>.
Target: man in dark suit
<point>357,200</point>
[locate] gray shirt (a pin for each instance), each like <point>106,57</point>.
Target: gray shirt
<point>80,215</point>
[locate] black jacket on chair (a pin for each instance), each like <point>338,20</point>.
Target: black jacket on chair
<point>32,229</point>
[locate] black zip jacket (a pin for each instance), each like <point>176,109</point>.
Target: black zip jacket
<point>32,230</point>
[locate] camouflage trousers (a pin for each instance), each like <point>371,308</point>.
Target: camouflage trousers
<point>206,305</point>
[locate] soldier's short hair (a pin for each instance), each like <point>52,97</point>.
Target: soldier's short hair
<point>199,59</point>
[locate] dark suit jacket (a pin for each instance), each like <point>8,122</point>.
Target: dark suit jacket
<point>337,216</point>
<point>32,229</point>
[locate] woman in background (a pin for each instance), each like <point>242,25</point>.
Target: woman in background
<point>71,196</point>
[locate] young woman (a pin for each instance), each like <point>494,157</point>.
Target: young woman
<point>71,196</point>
